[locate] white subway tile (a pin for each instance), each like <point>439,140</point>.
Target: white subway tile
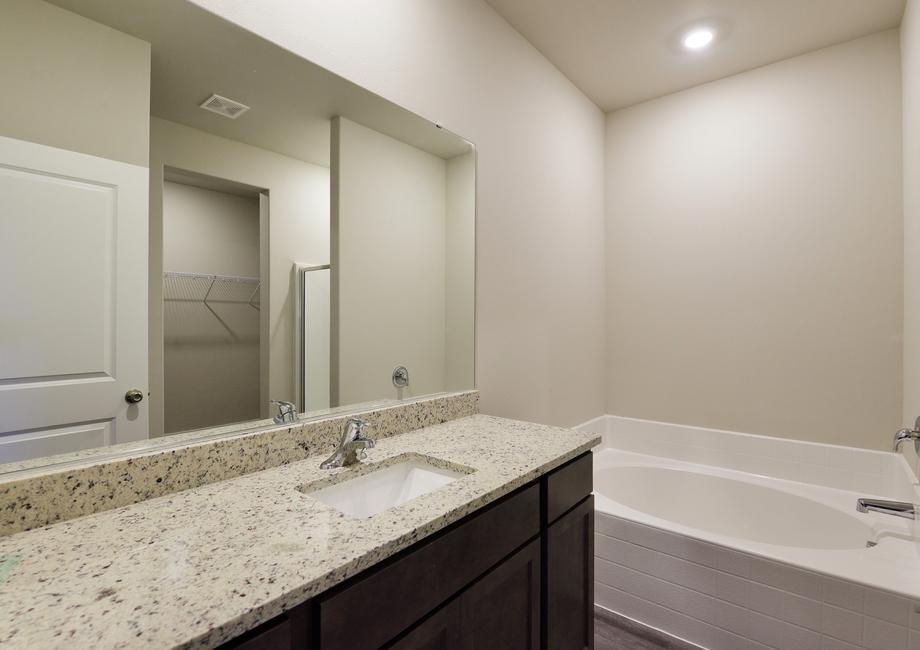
<point>765,599</point>
<point>605,573</point>
<point>798,638</point>
<point>732,589</point>
<point>611,548</point>
<point>803,612</point>
<point>787,578</point>
<point>887,607</point>
<point>715,638</point>
<point>688,574</point>
<point>828,643</point>
<point>610,525</point>
<point>913,642</point>
<point>842,624</point>
<point>754,645</point>
<point>621,602</point>
<point>766,630</point>
<point>882,635</point>
<point>915,615</point>
<point>731,617</point>
<point>843,594</point>
<point>733,562</point>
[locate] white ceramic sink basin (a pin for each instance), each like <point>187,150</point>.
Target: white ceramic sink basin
<point>384,488</point>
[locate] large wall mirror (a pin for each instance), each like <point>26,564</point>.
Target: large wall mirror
<point>197,225</point>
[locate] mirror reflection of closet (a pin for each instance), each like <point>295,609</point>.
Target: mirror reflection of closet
<point>211,302</point>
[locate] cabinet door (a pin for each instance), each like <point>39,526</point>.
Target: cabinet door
<point>502,610</point>
<point>440,632</point>
<point>570,579</point>
<point>426,576</point>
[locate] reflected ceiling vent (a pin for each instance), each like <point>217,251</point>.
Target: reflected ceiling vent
<point>224,106</point>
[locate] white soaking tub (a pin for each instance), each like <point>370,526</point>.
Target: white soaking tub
<point>735,541</point>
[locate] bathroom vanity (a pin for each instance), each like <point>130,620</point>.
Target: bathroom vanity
<point>501,556</point>
<point>515,574</point>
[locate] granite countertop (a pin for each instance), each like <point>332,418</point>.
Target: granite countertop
<point>199,567</point>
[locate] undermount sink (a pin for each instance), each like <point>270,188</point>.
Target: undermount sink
<point>391,485</point>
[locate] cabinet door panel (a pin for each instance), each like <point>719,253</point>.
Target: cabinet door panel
<point>570,579</point>
<point>440,632</point>
<point>432,573</point>
<point>502,610</point>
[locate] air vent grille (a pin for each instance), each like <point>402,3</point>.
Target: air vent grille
<point>224,106</point>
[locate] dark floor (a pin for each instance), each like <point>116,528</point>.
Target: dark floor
<point>609,637</point>
<point>611,633</point>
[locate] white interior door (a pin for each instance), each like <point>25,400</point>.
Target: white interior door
<point>73,330</point>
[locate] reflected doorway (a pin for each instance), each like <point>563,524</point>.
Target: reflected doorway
<point>212,301</point>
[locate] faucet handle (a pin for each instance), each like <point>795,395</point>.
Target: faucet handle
<point>359,424</point>
<point>287,411</point>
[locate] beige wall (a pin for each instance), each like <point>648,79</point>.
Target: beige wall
<point>72,83</point>
<point>910,76</point>
<point>299,232</point>
<point>211,352</point>
<point>209,231</point>
<point>388,265</point>
<point>754,255</point>
<point>540,252</point>
<point>460,273</point>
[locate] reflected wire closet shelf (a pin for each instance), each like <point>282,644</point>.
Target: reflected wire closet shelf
<point>202,287</point>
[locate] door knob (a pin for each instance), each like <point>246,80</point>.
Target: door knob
<point>134,396</point>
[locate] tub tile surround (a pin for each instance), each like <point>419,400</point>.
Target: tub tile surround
<point>37,496</point>
<point>723,599</point>
<point>199,567</point>
<point>875,473</point>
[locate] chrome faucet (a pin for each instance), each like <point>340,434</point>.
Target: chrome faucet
<point>352,447</point>
<point>907,434</point>
<point>287,411</point>
<point>897,508</point>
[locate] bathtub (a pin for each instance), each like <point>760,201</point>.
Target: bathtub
<point>728,540</point>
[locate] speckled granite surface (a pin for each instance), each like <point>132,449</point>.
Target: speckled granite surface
<point>199,567</point>
<point>38,496</point>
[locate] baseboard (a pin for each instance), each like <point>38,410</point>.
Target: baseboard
<point>660,637</point>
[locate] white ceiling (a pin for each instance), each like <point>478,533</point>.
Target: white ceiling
<point>621,52</point>
<point>194,54</point>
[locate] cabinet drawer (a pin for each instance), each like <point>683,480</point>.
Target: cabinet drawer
<point>568,485</point>
<point>570,579</point>
<point>375,609</point>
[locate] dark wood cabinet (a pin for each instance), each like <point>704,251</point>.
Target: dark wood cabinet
<point>568,485</point>
<point>417,581</point>
<point>502,610</point>
<point>291,630</point>
<point>570,579</point>
<point>440,631</point>
<point>516,575</point>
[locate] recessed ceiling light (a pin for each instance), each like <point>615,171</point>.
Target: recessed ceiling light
<point>697,39</point>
